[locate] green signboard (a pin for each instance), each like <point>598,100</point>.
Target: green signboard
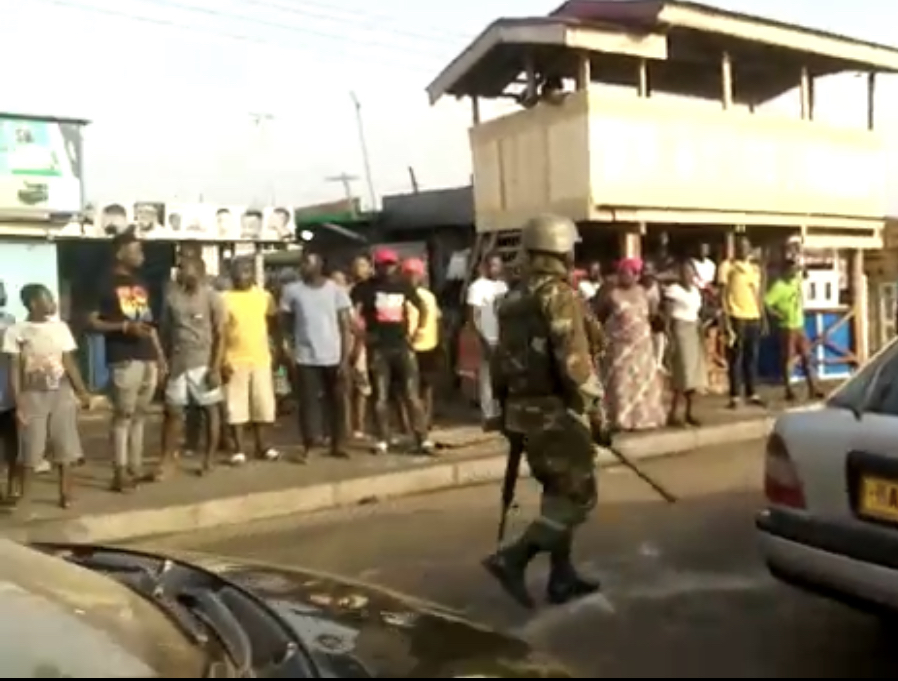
<point>40,165</point>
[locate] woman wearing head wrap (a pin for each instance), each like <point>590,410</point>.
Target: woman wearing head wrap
<point>632,382</point>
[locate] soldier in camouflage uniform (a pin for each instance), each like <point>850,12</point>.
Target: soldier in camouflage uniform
<point>544,377</point>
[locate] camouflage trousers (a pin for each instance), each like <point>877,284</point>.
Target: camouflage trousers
<point>394,373</point>
<point>561,459</point>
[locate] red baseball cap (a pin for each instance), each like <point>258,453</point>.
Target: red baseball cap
<point>385,256</point>
<point>413,266</point>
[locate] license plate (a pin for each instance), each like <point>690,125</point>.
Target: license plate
<point>879,499</point>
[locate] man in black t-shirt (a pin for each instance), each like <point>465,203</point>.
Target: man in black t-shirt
<point>380,303</point>
<point>123,314</point>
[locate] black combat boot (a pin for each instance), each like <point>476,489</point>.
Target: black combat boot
<point>565,584</point>
<point>509,565</point>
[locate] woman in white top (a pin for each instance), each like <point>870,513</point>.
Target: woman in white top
<point>683,304</point>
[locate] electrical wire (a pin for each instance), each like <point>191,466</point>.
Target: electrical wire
<point>274,25</point>
<point>318,10</point>
<point>346,49</point>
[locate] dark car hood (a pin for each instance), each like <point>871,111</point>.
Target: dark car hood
<point>355,630</point>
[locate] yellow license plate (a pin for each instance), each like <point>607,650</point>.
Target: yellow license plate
<point>879,498</point>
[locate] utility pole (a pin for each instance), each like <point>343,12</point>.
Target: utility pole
<point>261,121</point>
<point>346,180</point>
<point>363,147</point>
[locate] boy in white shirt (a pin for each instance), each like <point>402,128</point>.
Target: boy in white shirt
<point>482,298</point>
<point>47,387</point>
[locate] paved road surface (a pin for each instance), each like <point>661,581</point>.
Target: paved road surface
<point>685,596</point>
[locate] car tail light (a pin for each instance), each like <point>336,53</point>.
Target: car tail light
<point>782,486</point>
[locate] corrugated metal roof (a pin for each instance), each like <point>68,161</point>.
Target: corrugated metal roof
<point>648,14</point>
<point>439,207</point>
<point>766,53</point>
<point>48,119</point>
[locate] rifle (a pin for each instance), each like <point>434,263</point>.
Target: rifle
<point>512,470</point>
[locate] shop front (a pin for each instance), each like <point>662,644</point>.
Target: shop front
<point>216,233</point>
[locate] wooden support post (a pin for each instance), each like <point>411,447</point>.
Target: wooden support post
<point>631,242</point>
<point>259,265</point>
<point>643,78</point>
<point>584,71</point>
<point>729,245</point>
<point>806,93</point>
<point>859,304</point>
<point>475,110</point>
<point>726,78</point>
<point>530,77</point>
<point>871,101</point>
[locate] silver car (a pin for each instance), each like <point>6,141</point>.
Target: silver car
<point>831,482</point>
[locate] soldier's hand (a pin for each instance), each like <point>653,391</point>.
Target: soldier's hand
<point>601,432</point>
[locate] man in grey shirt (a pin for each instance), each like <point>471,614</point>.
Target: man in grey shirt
<point>319,312</point>
<point>192,335</point>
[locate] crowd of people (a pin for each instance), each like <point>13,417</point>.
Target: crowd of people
<point>656,316</point>
<point>345,341</point>
<point>214,354</point>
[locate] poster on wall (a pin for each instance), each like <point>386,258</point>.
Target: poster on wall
<point>187,221</point>
<point>40,165</point>
<point>102,220</point>
<point>227,222</point>
<point>177,221</point>
<point>149,220</point>
<point>279,224</point>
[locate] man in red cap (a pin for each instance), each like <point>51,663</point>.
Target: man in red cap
<point>381,303</point>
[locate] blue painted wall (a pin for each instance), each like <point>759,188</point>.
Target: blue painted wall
<point>27,262</point>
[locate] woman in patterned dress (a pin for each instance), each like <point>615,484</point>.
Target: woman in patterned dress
<point>633,386</point>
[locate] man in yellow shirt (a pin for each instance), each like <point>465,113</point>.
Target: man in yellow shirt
<point>740,290</point>
<point>251,329</point>
<point>426,341</point>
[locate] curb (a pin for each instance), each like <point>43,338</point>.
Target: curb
<point>429,477</point>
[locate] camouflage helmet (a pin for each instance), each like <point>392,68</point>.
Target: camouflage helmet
<point>549,234</point>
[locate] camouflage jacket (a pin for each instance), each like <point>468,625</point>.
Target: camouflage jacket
<point>543,366</point>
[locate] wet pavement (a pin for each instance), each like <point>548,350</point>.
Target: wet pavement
<point>685,594</point>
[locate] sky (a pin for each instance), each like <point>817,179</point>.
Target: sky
<point>172,87</point>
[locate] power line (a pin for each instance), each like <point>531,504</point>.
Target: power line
<point>340,15</point>
<point>264,23</point>
<point>409,65</point>
<point>367,14</point>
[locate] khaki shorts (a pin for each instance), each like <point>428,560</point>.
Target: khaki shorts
<point>249,395</point>
<point>50,427</point>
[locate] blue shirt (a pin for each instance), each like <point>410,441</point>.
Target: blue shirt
<point>317,340</point>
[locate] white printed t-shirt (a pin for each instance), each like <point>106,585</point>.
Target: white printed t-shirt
<point>40,346</point>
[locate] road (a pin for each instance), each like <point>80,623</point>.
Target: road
<point>684,593</point>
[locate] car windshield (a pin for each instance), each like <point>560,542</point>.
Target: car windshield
<point>61,620</point>
<point>855,392</point>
